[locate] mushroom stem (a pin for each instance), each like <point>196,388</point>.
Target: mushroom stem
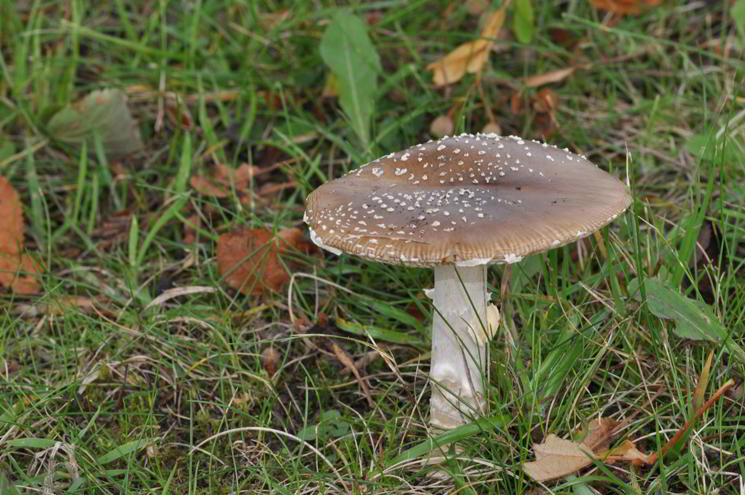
<point>459,345</point>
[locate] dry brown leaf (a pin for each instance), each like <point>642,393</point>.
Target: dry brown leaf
<point>442,126</point>
<point>13,263</point>
<point>248,259</point>
<point>224,180</point>
<point>191,224</point>
<point>11,221</point>
<point>556,458</point>
<point>551,76</point>
<point>626,452</point>
<point>491,128</point>
<point>624,6</point>
<point>269,359</point>
<point>600,433</point>
<point>471,56</point>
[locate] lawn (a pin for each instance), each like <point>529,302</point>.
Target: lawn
<point>167,326</point>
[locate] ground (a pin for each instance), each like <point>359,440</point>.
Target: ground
<point>138,138</point>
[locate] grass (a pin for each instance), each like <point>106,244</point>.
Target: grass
<point>119,397</point>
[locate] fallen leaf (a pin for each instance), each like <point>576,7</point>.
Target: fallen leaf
<point>551,76</point>
<point>599,433</point>
<point>471,56</point>
<point>624,6</point>
<point>626,452</point>
<point>11,221</point>
<point>114,228</point>
<point>491,128</point>
<point>191,224</point>
<point>225,180</point>
<point>248,259</point>
<point>269,359</point>
<point>103,112</point>
<point>545,101</point>
<point>17,270</point>
<point>556,458</point>
<point>442,126</point>
<point>271,20</point>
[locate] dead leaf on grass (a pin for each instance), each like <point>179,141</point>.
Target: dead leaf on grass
<point>18,271</point>
<point>441,126</point>
<point>248,259</point>
<point>270,359</point>
<point>224,180</point>
<point>103,112</point>
<point>553,76</point>
<point>471,56</point>
<point>556,457</point>
<point>624,6</point>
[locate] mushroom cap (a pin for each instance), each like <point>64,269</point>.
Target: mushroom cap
<point>468,200</point>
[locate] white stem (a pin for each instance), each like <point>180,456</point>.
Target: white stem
<point>459,345</point>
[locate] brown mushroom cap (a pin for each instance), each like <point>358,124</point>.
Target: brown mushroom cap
<point>466,200</point>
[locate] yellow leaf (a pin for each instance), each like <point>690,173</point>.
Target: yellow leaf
<point>471,56</point>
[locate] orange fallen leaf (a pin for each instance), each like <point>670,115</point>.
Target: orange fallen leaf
<point>471,56</point>
<point>248,259</point>
<point>624,6</point>
<point>13,263</point>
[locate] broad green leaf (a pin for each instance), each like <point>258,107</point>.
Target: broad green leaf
<point>523,22</point>
<point>32,443</point>
<point>708,146</point>
<point>393,312</point>
<point>123,450</point>
<point>347,50</point>
<point>330,425</point>
<point>693,319</point>
<point>377,333</point>
<point>738,15</point>
<point>103,112</point>
<point>6,487</point>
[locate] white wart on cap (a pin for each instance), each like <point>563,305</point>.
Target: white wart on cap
<point>468,199</point>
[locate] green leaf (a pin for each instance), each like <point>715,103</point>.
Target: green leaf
<point>737,12</point>
<point>123,450</point>
<point>31,443</point>
<point>707,146</point>
<point>523,22</point>
<point>693,319</point>
<point>378,334</point>
<point>6,487</point>
<point>330,425</point>
<point>347,50</point>
<point>103,112</point>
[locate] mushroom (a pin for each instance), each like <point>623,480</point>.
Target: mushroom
<point>459,204</point>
